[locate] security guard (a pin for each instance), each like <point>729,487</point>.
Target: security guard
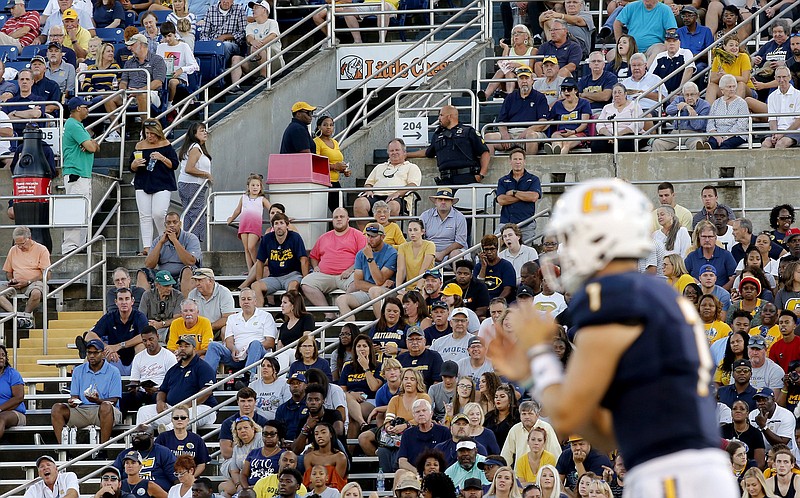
<point>461,154</point>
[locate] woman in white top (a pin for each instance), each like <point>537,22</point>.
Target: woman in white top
<point>675,238</point>
<point>184,472</point>
<point>617,111</point>
<point>516,252</point>
<point>519,53</point>
<point>195,168</point>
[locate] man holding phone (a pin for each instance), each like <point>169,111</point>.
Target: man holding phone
<point>24,266</point>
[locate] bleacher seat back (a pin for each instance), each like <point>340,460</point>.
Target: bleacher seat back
<point>8,53</point>
<point>37,5</point>
<point>211,57</point>
<point>29,51</point>
<point>19,65</point>
<point>111,35</point>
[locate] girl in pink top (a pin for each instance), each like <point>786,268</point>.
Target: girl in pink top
<point>250,211</point>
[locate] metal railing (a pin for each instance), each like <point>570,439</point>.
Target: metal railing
<point>115,211</point>
<point>12,317</point>
<point>47,121</point>
<point>194,198</point>
<point>102,263</point>
<point>24,199</point>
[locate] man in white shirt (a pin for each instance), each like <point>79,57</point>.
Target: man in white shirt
<point>776,423</point>
<point>784,100</point>
<point>53,483</point>
<point>147,372</point>
<point>516,443</point>
<point>640,81</point>
<point>477,364</point>
<point>454,346</point>
<point>249,334</point>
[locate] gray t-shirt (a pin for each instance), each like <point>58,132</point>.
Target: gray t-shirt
<point>450,348</point>
<point>466,368</point>
<point>550,90</point>
<point>220,303</point>
<point>583,34</point>
<point>440,398</point>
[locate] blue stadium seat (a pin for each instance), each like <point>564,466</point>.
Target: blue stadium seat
<point>8,53</point>
<point>111,35</point>
<point>37,5</point>
<point>19,65</point>
<point>3,19</point>
<point>29,51</point>
<point>211,57</point>
<point>131,19</point>
<point>161,15</point>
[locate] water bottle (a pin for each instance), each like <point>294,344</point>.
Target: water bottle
<point>73,435</point>
<point>151,164</point>
<point>381,483</point>
<point>115,84</point>
<point>65,435</point>
<point>92,435</point>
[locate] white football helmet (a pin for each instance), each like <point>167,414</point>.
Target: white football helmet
<point>595,222</point>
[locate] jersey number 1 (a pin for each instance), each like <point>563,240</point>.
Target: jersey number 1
<point>703,353</point>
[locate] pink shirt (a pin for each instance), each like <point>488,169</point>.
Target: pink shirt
<point>336,253</point>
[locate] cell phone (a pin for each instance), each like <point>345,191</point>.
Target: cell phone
<point>148,383</point>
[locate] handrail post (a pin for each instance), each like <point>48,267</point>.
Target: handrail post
<point>744,198</point>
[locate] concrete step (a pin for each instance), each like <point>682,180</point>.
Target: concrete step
<point>71,324</point>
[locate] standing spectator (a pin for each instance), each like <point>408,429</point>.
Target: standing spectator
<point>647,21</point>
<point>154,163</point>
<point>567,51</point>
<point>569,108</point>
<point>79,149</point>
<point>786,99</point>
<point>53,483</point>
<point>195,164</point>
<point>180,61</point>
<point>596,86</point>
<point>709,253</point>
<point>461,155</point>
<point>398,174</point>
<point>524,105</point>
<point>296,138</point>
<point>517,193</point>
<point>22,28</point>
<point>579,24</point>
<point>616,112</point>
<point>333,260</point>
<point>147,372</point>
<point>176,251</point>
<point>12,394</point>
<point>214,301</point>
<point>329,147</point>
<point>671,59</point>
<point>728,132</point>
<point>24,267</point>
<point>95,391</point>
<point>445,226</point>
<point>282,261</point>
<point>689,104</point>
<point>250,212</point>
<point>108,14</point>
<point>142,58</point>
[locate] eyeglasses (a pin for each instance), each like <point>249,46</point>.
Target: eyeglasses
<point>269,434</point>
<point>110,478</point>
<point>549,243</point>
<point>180,417</point>
<point>180,474</point>
<point>465,386</point>
<point>489,248</point>
<point>568,89</point>
<point>784,217</point>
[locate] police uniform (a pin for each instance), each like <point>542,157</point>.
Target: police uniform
<point>457,151</point>
<point>669,361</point>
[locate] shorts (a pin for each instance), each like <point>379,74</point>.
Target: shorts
<point>84,416</point>
<point>22,420</point>
<point>793,136</point>
<point>361,297</point>
<point>327,283</point>
<point>364,9</point>
<point>690,473</point>
<point>281,283</point>
<point>38,285</point>
<point>519,133</point>
<point>375,198</point>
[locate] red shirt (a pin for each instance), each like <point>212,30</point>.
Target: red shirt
<point>30,19</point>
<point>783,352</point>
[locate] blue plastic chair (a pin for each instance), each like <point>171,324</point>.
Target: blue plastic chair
<point>8,53</point>
<point>29,51</point>
<point>211,57</point>
<point>111,35</point>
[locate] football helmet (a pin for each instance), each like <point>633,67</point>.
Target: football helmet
<point>597,221</point>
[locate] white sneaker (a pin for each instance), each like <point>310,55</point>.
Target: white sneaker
<point>113,137</point>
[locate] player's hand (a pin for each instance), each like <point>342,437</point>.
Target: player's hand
<point>508,351</point>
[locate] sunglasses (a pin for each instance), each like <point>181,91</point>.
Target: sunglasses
<point>243,418</point>
<point>151,122</point>
<point>180,417</point>
<point>110,478</point>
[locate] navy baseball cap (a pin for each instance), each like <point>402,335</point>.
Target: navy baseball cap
<point>764,392</point>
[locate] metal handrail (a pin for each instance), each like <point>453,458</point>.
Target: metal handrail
<point>115,210</point>
<point>46,198</point>
<point>191,203</point>
<point>11,316</point>
<point>88,272</point>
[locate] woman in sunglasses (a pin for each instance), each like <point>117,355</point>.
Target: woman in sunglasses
<point>246,438</point>
<point>134,485</point>
<point>181,437</point>
<point>185,473</point>
<point>153,163</point>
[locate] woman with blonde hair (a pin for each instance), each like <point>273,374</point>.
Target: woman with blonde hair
<point>351,490</point>
<point>413,388</point>
<point>675,271</point>
<point>504,484</point>
<point>246,438</point>
<point>600,489</point>
<point>519,53</point>
<point>754,485</point>
<point>548,480</point>
<point>477,431</point>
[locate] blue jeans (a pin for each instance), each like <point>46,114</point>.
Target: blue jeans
<point>729,143</point>
<point>217,353</point>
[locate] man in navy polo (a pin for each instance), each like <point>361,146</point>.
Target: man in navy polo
<point>186,378</point>
<point>418,357</point>
<point>294,410</point>
<point>711,254</point>
<point>120,332</point>
<point>568,52</point>
<point>296,137</point>
<point>523,105</point>
<point>517,193</point>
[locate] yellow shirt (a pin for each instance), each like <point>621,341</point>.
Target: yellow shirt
<point>267,487</point>
<point>523,467</point>
<point>717,330</point>
<point>740,65</point>
<point>394,236</point>
<point>333,154</point>
<point>414,263</point>
<point>201,331</point>
<point>83,36</point>
<point>771,336</point>
<point>682,282</point>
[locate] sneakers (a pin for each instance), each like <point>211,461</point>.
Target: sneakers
<point>113,137</point>
<point>80,343</point>
<point>236,90</point>
<point>24,323</point>
<point>702,146</point>
<point>481,96</point>
<point>604,32</point>
<point>556,149</point>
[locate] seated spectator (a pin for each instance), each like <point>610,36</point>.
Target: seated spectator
<point>528,465</point>
<point>44,86</point>
<point>476,363</point>
<point>422,435</point>
<point>452,296</point>
<point>317,413</point>
<point>579,24</point>
<point>786,99</point>
<point>550,85</point>
<point>647,22</point>
<point>63,73</point>
<point>388,335</point>
<point>397,173</point>
<point>466,466</point>
<point>246,401</point>
<point>617,111</point>
<point>181,441</point>
<point>184,20</point>
<point>246,438</point>
<point>439,314</point>
<point>326,464</point>
<point>641,81</point>
<point>162,304</point>
<point>259,462</point>
<point>271,391</point>
<point>121,279</point>
<point>498,274</point>
<point>124,53</point>
<point>676,241</point>
<point>175,250</point>
<point>147,372</point>
<point>12,394</point>
<point>296,321</point>
<point>375,267</point>
<point>566,50</point>
<point>445,226</point>
<point>333,260</point>
<point>142,58</point>
<point>262,36</point>
<point>180,62</point>
<point>769,57</point>
<point>281,262</point>
<point>626,47</point>
<point>24,267</point>
<point>52,481</point>
<point>307,357</point>
<point>516,444</point>
<point>381,213</point>
<point>104,82</point>
<point>366,7</point>
<point>474,293</point>
<point>149,22</point>
<point>344,349</point>
<point>504,414</point>
<point>432,286</point>
<point>95,391</point>
<point>416,309</point>
<point>688,104</point>
<point>722,17</point>
<point>579,453</point>
<point>249,334</point>
<point>671,59</point>
<point>119,331</point>
<point>424,360</point>
<point>360,379</point>
<point>482,436</point>
<point>214,301</point>
<point>108,14</point>
<point>226,22</point>
<point>524,105</point>
<point>55,11</point>
<point>22,28</point>
<point>190,323</point>
<point>268,486</point>
<point>694,36</point>
<point>159,465</point>
<point>570,108</point>
<point>455,345</point>
<point>185,379</point>
<point>415,256</point>
<point>335,398</point>
<point>519,53</point>
<point>709,253</point>
<point>291,412</point>
<point>731,131</point>
<point>596,86</point>
<point>77,37</point>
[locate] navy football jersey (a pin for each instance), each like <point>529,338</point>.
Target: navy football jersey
<point>659,396</point>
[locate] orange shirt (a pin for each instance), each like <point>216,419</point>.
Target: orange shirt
<point>27,265</point>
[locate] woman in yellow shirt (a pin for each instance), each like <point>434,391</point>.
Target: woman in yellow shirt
<point>739,67</point>
<point>736,349</point>
<point>710,309</point>
<point>528,465</point>
<point>328,147</point>
<point>415,256</point>
<point>676,273</point>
